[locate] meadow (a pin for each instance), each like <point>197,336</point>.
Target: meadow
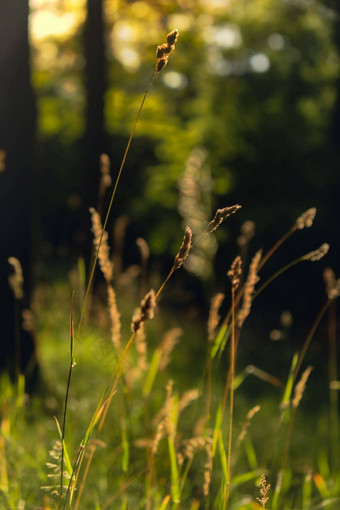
<point>144,405</point>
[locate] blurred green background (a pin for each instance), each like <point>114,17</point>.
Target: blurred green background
<point>247,111</point>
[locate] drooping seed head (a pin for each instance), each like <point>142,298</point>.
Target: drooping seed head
<point>221,215</point>
<point>315,255</point>
<point>164,50</point>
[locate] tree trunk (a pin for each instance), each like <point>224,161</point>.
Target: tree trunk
<point>17,126</point>
<point>95,81</point>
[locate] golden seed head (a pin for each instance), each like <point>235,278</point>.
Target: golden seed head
<point>145,312</point>
<point>172,37</point>
<point>300,387</point>
<point>165,49</point>
<point>263,491</point>
<point>221,215</point>
<point>249,286</point>
<point>306,219</point>
<point>148,305</point>
<point>315,255</point>
<point>161,63</point>
<point>214,316</point>
<point>160,51</point>
<point>235,272</point>
<point>184,249</point>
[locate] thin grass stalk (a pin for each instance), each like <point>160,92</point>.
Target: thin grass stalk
<point>276,275</point>
<point>231,398</point>
<point>72,364</point>
<point>310,337</point>
<point>89,285</point>
<point>276,246</point>
<point>263,261</point>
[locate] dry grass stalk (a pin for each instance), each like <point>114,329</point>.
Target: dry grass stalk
<point>184,249</point>
<point>168,405</point>
<point>249,288</point>
<point>16,280</point>
<point>235,272</point>
<point>221,215</point>
<point>169,341</point>
<point>300,387</point>
<point>332,284</point>
<point>318,254</point>
<point>163,51</point>
<point>263,491</point>
<point>145,312</point>
<point>114,317</point>
<point>306,219</point>
<point>208,466</point>
<point>214,317</point>
<point>101,239</point>
<point>246,424</point>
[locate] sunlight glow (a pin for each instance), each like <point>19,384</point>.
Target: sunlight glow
<point>47,20</point>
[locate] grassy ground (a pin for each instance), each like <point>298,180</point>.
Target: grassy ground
<point>186,466</point>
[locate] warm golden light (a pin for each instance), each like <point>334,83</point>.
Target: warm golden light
<point>48,19</point>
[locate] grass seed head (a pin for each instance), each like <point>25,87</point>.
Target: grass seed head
<point>172,37</point>
<point>249,288</point>
<point>184,249</point>
<point>263,491</point>
<point>300,387</point>
<point>165,49</point>
<point>306,219</point>
<point>214,317</point>
<point>221,215</point>
<point>146,311</point>
<point>235,272</point>
<point>100,238</point>
<point>318,254</point>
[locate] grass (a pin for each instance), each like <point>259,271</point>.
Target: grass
<point>160,418</point>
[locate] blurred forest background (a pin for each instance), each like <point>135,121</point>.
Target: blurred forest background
<point>247,111</point>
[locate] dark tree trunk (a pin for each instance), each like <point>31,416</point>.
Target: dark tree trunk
<point>17,126</point>
<point>95,81</point>
<point>335,154</point>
